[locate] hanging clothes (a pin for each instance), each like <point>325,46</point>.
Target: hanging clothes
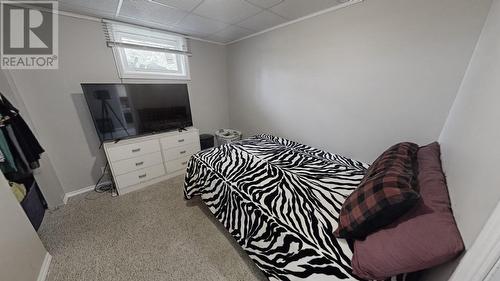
<point>23,169</point>
<point>13,140</point>
<point>21,153</point>
<point>20,134</point>
<point>8,165</point>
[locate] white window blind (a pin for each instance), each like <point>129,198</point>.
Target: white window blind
<point>147,53</point>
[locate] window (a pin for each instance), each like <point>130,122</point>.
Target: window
<point>148,54</point>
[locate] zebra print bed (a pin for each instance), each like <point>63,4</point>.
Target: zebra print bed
<point>280,200</point>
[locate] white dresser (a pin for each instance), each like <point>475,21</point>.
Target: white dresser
<point>138,162</point>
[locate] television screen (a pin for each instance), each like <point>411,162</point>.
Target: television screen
<point>126,110</point>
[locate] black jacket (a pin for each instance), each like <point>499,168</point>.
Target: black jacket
<point>28,142</point>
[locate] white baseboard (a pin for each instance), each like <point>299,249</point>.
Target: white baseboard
<point>44,270</point>
<point>77,192</point>
<point>81,191</point>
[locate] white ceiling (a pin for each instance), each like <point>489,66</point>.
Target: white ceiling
<point>221,21</point>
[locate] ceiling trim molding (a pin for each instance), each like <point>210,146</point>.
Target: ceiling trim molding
<point>334,8</point>
<point>119,7</point>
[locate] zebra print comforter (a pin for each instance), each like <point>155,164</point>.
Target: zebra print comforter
<point>280,200</point>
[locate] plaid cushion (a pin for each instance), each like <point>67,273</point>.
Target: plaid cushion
<point>385,193</point>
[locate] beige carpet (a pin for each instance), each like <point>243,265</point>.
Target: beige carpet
<point>152,234</point>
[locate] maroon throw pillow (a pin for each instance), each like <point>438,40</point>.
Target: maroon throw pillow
<point>385,193</point>
<point>424,237</point>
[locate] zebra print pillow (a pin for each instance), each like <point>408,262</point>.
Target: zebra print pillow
<point>280,200</point>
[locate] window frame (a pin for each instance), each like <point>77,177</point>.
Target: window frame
<point>121,60</point>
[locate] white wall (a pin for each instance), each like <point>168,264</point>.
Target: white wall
<point>22,252</point>
<point>469,141</point>
<point>471,154</point>
<point>357,80</point>
<point>54,97</point>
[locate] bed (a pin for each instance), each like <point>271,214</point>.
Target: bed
<point>280,201</point>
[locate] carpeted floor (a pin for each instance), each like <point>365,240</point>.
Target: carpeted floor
<point>152,234</point>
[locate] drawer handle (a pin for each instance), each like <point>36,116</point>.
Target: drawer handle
<point>136,150</point>
<point>142,176</point>
<point>181,140</point>
<point>139,163</point>
<point>184,163</point>
<point>182,152</point>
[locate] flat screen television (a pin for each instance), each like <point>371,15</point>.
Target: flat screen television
<point>126,110</point>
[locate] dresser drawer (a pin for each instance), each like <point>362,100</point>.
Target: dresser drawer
<point>137,163</point>
<point>181,151</point>
<point>179,140</point>
<point>177,164</point>
<point>133,150</point>
<point>139,176</point>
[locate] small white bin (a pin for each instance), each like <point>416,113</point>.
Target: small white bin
<point>225,136</point>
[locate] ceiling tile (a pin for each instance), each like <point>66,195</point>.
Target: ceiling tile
<point>107,6</point>
<point>265,3</point>
<point>186,5</point>
<point>146,11</point>
<point>211,18</point>
<point>293,9</point>
<point>230,11</point>
<point>229,34</point>
<point>187,32</point>
<point>261,21</point>
<point>90,7</point>
<point>201,25</point>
